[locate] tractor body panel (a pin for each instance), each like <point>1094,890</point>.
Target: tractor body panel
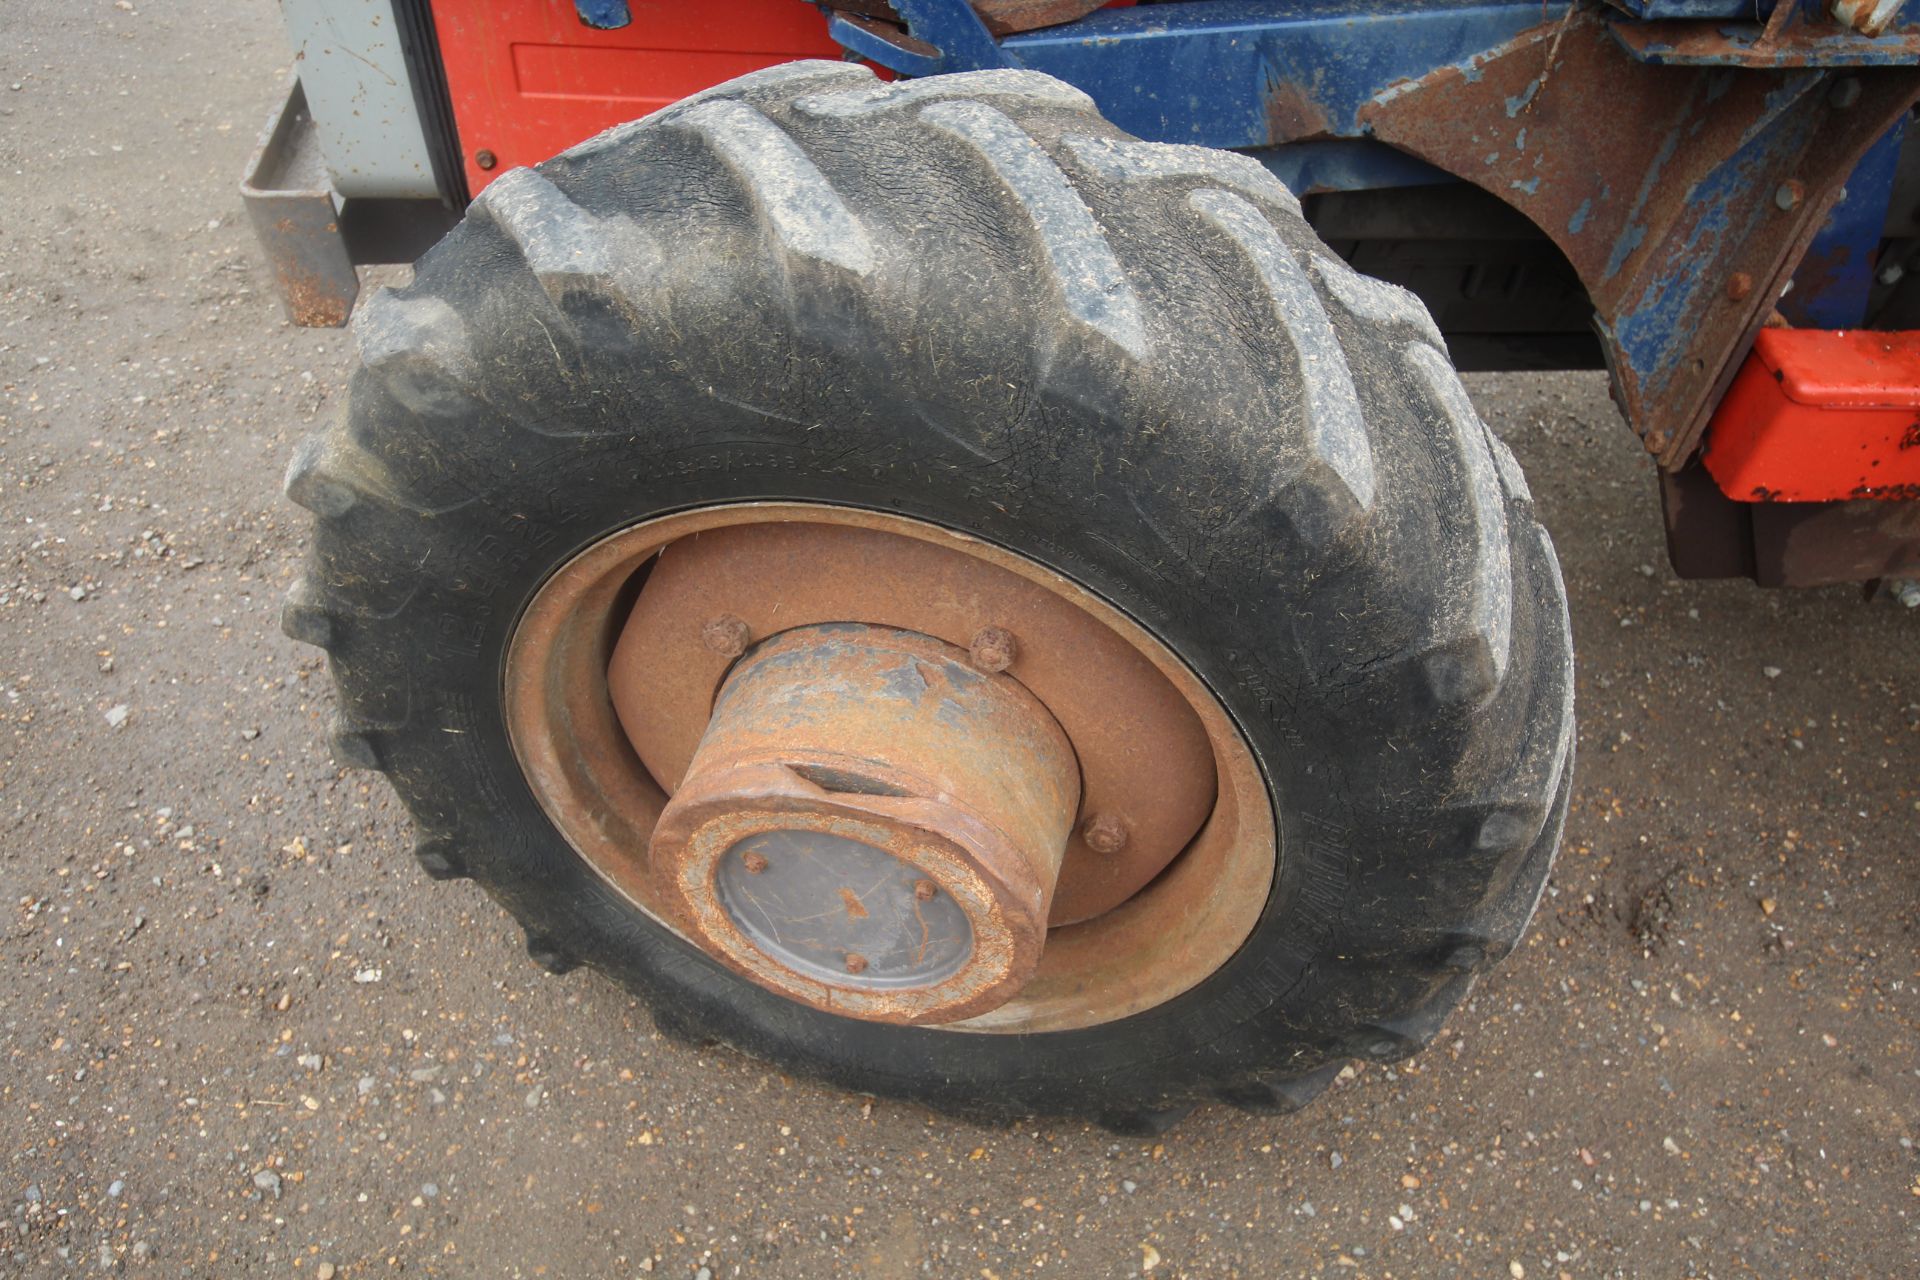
<point>1642,184</point>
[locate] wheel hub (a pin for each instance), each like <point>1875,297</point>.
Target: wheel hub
<point>613,682</point>
<point>871,824</point>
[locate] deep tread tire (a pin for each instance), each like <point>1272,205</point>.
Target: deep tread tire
<point>970,300</point>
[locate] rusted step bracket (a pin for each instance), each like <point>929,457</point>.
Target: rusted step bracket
<point>313,238</point>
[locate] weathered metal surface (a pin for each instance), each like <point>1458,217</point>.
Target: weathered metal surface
<point>313,238</point>
<point>1226,73</point>
<point>1869,17</point>
<point>844,766</point>
<point>352,62</point>
<point>1658,9</point>
<point>1833,285</point>
<point>1752,45</point>
<point>956,35</point>
<point>885,43</point>
<point>292,210</point>
<point>1007,17</point>
<point>1812,544</point>
<point>581,768</point>
<point>1143,754</point>
<point>1784,544</point>
<point>1709,535</point>
<point>1658,182</point>
<point>1661,185</point>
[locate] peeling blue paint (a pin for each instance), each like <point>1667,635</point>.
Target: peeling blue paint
<point>1326,58</point>
<point>1654,329</point>
<point>1247,74</point>
<point>1636,232</point>
<point>1623,248</point>
<point>1519,101</point>
<point>603,15</point>
<point>1834,281</point>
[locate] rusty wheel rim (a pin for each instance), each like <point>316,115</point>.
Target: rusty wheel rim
<point>588,775</point>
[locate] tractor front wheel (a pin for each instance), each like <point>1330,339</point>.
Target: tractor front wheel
<point>947,597</point>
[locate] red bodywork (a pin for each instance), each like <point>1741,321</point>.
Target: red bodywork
<point>529,80</point>
<point>1819,414</point>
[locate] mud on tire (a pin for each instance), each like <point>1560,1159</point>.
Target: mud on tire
<point>970,300</point>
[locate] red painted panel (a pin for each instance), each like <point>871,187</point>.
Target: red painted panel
<point>1816,414</point>
<point>528,79</point>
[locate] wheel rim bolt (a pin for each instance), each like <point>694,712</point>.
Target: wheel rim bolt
<point>726,635</point>
<point>923,890</point>
<point>1104,833</point>
<point>856,963</point>
<point>755,863</point>
<point>993,649</point>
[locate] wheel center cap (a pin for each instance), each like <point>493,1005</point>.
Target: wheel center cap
<point>871,825</point>
<point>842,912</point>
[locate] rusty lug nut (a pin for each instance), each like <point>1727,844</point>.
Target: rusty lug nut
<point>856,963</point>
<point>1104,833</point>
<point>755,863</point>
<point>1789,194</point>
<point>1739,285</point>
<point>993,649</point>
<point>726,635</point>
<point>485,158</point>
<point>924,890</point>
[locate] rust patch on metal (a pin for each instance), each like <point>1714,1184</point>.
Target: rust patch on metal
<point>725,635</point>
<point>1010,17</point>
<point>1105,833</point>
<point>1292,114</point>
<point>1142,750</point>
<point>993,649</point>
<point>1683,42</point>
<point>1869,17</point>
<point>891,32</point>
<point>1805,544</point>
<point>293,217</point>
<point>1158,943</point>
<point>1609,156</point>
<point>982,788</point>
<point>1001,17</point>
<point>313,300</point>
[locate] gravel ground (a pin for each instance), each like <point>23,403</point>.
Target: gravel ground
<point>243,1036</point>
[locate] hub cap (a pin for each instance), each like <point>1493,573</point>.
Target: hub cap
<point>703,694</point>
<point>871,825</point>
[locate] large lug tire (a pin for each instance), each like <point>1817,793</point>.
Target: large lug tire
<point>971,301</point>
